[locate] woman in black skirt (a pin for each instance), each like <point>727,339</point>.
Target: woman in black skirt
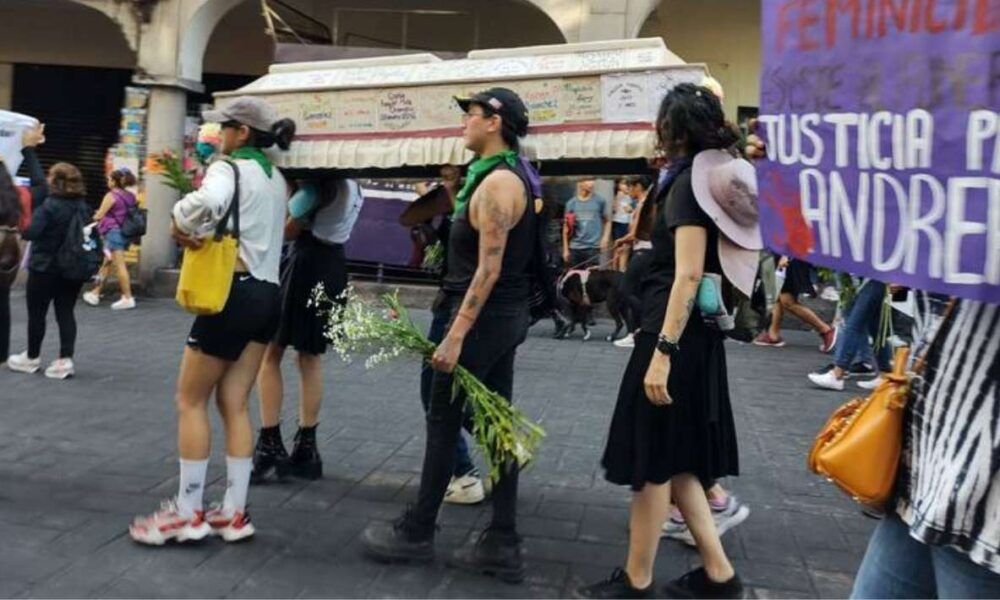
<point>321,218</point>
<point>673,424</point>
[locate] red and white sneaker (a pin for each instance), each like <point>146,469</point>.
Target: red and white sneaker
<point>168,524</point>
<point>231,528</point>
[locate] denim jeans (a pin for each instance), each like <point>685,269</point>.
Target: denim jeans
<point>488,353</point>
<point>898,566</point>
<point>440,315</point>
<point>862,321</point>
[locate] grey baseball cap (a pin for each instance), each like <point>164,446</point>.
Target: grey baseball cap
<point>248,110</point>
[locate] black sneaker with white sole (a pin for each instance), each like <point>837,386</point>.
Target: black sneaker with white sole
<point>696,584</point>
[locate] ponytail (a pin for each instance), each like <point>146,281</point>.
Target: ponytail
<point>283,132</point>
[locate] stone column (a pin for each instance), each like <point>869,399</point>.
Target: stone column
<point>165,131</point>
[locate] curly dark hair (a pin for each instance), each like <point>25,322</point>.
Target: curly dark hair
<point>691,120</point>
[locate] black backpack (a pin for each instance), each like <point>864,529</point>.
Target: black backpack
<point>80,256</point>
<point>133,225</point>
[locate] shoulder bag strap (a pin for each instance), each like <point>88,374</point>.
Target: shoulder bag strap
<point>234,206</point>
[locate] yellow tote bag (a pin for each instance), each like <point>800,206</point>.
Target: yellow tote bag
<point>207,272</point>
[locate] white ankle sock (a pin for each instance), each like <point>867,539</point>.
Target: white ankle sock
<point>237,484</point>
<point>192,486</point>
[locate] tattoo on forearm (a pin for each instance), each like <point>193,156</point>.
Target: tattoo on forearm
<point>472,302</point>
<point>494,251</point>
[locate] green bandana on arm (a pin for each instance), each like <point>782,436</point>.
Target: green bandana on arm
<point>256,154</point>
<point>475,174</point>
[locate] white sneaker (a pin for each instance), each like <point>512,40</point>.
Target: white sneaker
<point>168,524</point>
<point>725,519</point>
<point>827,380</point>
<point>22,364</point>
<point>92,298</point>
<point>626,342</point>
<point>124,304</point>
<point>466,489</point>
<point>830,294</point>
<point>60,369</point>
<point>232,528</point>
<point>871,384</point>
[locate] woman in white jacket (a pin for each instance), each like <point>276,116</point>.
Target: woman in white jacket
<point>224,351</point>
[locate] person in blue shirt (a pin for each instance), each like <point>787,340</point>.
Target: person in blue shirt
<point>586,227</point>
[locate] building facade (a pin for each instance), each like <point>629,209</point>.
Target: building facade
<point>68,61</point>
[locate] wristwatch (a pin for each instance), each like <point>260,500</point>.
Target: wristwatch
<point>664,345</point>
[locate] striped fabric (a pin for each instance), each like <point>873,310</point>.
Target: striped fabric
<point>950,475</point>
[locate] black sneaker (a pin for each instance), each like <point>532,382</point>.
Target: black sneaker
<point>270,459</point>
<point>862,368</point>
<point>306,462</point>
<point>616,586</point>
<point>696,584</point>
<point>399,541</point>
<point>494,553</point>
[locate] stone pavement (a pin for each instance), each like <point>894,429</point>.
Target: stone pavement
<point>79,458</point>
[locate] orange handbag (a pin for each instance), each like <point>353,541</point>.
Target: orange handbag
<point>858,449</point>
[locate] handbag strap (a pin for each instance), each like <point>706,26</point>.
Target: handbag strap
<point>918,367</point>
<point>234,206</point>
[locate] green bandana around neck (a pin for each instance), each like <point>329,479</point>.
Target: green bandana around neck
<point>476,172</point>
<point>256,154</point>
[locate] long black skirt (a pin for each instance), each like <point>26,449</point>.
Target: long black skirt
<point>307,263</point>
<point>695,434</point>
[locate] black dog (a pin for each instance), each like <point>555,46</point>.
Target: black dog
<point>602,286</point>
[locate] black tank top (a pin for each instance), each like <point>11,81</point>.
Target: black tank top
<point>514,284</point>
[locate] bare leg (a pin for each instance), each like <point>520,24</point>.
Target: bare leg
<point>102,276</point>
<point>690,497</point>
<point>311,372</point>
<point>232,399</point>
<point>650,508</point>
<point>124,282</point>
<point>270,386</point>
<point>777,313</point>
<point>198,377</point>
<point>803,313</point>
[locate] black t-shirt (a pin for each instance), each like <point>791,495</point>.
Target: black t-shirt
<point>676,206</point>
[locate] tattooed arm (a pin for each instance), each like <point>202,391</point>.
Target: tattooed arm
<point>495,209</point>
<point>691,244</point>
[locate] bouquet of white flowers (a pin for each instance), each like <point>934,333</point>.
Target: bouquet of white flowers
<point>502,432</point>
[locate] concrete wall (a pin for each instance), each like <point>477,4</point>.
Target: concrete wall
<point>725,34</point>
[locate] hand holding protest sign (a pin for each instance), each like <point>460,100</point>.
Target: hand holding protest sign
<point>882,130</point>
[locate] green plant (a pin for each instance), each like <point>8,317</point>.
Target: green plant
<point>503,433</point>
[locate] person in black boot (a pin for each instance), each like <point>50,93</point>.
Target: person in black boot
<point>321,216</point>
<point>486,291</point>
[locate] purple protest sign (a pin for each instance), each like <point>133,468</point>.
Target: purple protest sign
<point>883,133</point>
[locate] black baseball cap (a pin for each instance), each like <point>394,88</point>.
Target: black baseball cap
<point>503,102</point>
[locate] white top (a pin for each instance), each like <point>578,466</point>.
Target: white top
<point>334,222</point>
<point>262,213</point>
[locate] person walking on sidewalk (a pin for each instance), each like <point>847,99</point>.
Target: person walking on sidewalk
<point>487,292</point>
<point>466,485</point>
<point>586,227</point>
<point>48,281</point>
<point>110,216</point>
<point>673,423</point>
<point>16,205</point>
<point>224,351</point>
<point>636,249</point>
<point>320,220</point>
<point>864,318</point>
<point>798,281</point>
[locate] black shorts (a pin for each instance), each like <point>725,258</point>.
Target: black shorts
<point>250,315</point>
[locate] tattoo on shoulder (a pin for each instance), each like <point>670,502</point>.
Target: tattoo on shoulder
<point>499,215</point>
